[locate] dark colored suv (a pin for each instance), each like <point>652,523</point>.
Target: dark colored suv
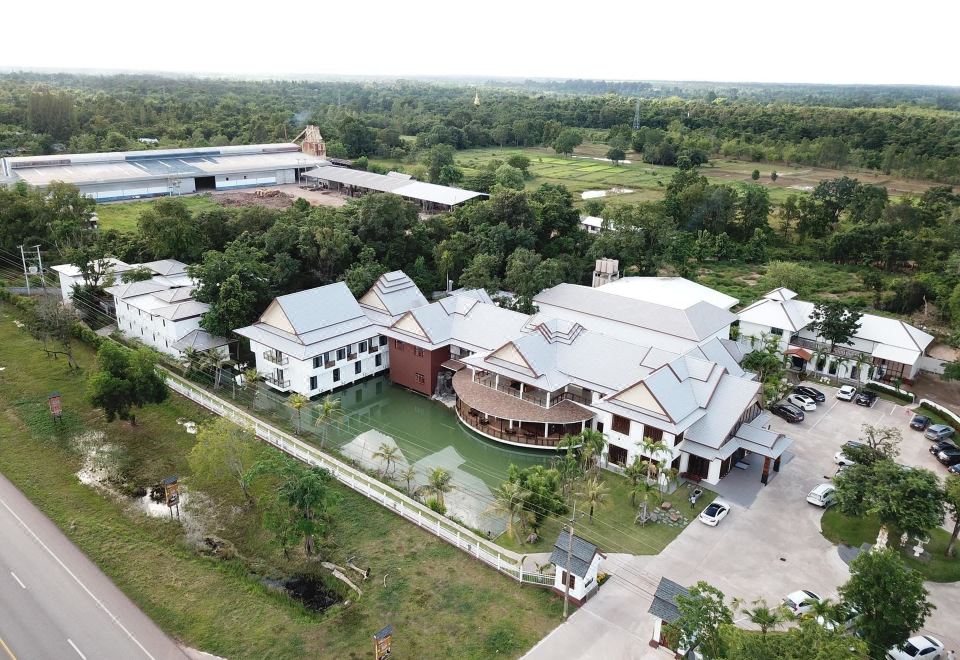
<point>787,411</point>
<point>814,394</point>
<point>865,398</point>
<point>919,422</point>
<point>949,456</point>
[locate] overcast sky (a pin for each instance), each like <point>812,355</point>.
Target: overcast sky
<point>835,41</point>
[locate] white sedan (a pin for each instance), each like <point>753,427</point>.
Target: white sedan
<point>921,646</point>
<point>802,402</point>
<point>716,511</point>
<point>801,602</point>
<point>846,393</point>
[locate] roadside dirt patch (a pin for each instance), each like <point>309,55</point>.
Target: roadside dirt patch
<point>272,199</point>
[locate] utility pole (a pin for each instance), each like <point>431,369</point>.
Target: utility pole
<point>636,117</point>
<point>43,277</point>
<point>26,275</point>
<point>566,569</point>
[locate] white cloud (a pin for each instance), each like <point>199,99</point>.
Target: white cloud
<point>833,41</point>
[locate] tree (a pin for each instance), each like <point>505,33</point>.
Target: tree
<point>224,452</point>
<point>236,283</point>
<point>616,154</point>
<point>889,596</point>
<point>873,281</point>
<point>787,274</point>
<point>835,322</point>
<point>509,177</point>
<point>511,499</point>
<point>125,379</point>
<point>543,485</point>
<point>436,159</point>
<point>652,448</point>
<point>765,617</point>
<point>594,493</point>
<point>951,371</point>
<point>389,455</point>
<point>482,273</point>
<point>568,140</point>
<point>702,613</point>
<point>439,482</point>
<point>592,443</point>
<point>774,176</point>
<point>51,322</point>
<point>951,498</point>
<point>408,475</point>
<point>882,441</point>
<point>298,401</point>
<point>755,175</point>
<point>326,411</point>
<point>520,162</point>
<point>807,641</point>
<point>170,232</point>
<point>645,491</point>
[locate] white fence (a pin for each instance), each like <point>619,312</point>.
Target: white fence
<point>509,563</point>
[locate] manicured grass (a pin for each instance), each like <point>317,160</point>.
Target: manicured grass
<point>612,528</point>
<point>839,528</point>
<point>441,603</point>
<point>123,216</point>
<point>934,415</point>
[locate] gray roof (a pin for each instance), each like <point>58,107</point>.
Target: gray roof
<point>182,310</point>
<point>581,556</point>
<point>166,267</point>
<point>429,192</point>
<point>132,289</point>
<point>664,605</point>
<point>397,292</point>
<point>200,340</point>
<point>696,322</point>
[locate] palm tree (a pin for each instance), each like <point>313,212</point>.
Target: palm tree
<point>765,617</point>
<point>594,493</point>
<point>826,608</point>
<point>511,499</point>
<point>635,472</point>
<point>250,379</point>
<point>651,448</point>
<point>214,360</point>
<point>568,468</point>
<point>408,475</point>
<point>192,361</point>
<point>325,412</point>
<point>297,401</point>
<point>439,480</point>
<point>591,444</point>
<point>645,490</point>
<point>389,455</point>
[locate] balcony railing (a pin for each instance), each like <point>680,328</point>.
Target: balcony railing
<point>536,396</point>
<point>515,435</point>
<point>837,351</point>
<point>276,382</point>
<point>276,357</point>
<point>373,348</point>
<point>352,356</point>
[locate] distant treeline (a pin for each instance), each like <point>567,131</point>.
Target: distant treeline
<point>898,130</point>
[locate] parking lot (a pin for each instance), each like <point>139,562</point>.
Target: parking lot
<point>769,545</point>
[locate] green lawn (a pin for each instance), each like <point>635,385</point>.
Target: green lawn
<point>123,216</point>
<point>441,603</point>
<point>839,528</point>
<point>612,527</point>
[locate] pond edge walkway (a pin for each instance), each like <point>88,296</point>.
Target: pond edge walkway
<point>502,560</point>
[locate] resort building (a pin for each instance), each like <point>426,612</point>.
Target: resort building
<point>882,349</point>
<point>71,276</point>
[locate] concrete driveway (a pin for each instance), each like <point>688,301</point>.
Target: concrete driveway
<point>769,545</point>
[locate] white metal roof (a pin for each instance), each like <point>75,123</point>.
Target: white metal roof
<point>429,192</point>
<point>676,292</point>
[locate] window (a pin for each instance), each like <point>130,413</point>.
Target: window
<point>316,363</point>
<point>357,366</point>
<point>776,331</point>
<point>336,375</point>
<point>621,425</point>
<point>420,378</point>
<point>572,580</point>
<point>383,341</point>
<point>599,427</point>
<point>328,357</point>
<point>378,360</point>
<point>418,351</point>
<point>361,347</point>
<point>313,382</point>
<point>397,344</point>
<point>341,353</point>
<point>654,434</point>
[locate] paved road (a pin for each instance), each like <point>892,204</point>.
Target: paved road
<point>769,546</point>
<point>55,603</point>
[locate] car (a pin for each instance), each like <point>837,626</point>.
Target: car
<point>801,602</point>
<point>716,511</point>
<point>822,496</point>
<point>866,398</point>
<point>938,432</point>
<point>848,619</point>
<point>802,402</point>
<point>814,394</point>
<point>943,445</point>
<point>954,469</point>
<point>787,411</point>
<point>919,422</point>
<point>841,459</point>
<point>846,393</point>
<point>950,456</point>
<point>921,646</point>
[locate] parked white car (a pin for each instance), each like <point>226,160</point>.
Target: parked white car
<point>846,393</point>
<point>716,511</point>
<point>822,496</point>
<point>802,402</point>
<point>923,647</point>
<point>801,602</point>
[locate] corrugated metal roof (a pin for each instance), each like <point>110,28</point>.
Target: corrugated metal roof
<point>428,192</point>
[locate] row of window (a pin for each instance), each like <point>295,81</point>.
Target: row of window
<point>622,425</point>
<point>341,353</point>
<point>417,351</point>
<point>357,368</point>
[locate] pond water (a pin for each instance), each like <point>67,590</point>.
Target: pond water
<point>426,434</point>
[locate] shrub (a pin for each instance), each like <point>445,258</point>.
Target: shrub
<point>891,391</point>
<point>436,505</point>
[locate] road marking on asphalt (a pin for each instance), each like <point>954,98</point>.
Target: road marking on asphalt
<point>20,582</point>
<point>6,649</point>
<point>823,416</point>
<point>77,580</point>
<point>79,652</point>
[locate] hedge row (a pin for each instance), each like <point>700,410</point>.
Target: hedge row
<point>891,391</point>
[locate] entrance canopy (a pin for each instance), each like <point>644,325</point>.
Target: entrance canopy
<point>801,353</point>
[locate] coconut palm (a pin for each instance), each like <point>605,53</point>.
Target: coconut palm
<point>651,448</point>
<point>214,361</point>
<point>594,493</point>
<point>635,472</point>
<point>250,379</point>
<point>439,482</point>
<point>591,445</point>
<point>388,454</point>
<point>645,491</point>
<point>192,361</point>
<point>568,468</point>
<point>511,499</point>
<point>766,617</point>
<point>826,608</point>
<point>408,475</point>
<point>326,411</point>
<point>297,401</point>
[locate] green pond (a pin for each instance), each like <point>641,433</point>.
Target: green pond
<point>426,434</point>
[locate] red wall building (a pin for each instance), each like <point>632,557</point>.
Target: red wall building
<point>416,368</point>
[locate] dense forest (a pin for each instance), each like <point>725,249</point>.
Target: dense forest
<point>907,131</point>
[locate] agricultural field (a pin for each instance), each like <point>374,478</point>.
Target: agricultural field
<point>123,216</point>
<point>441,603</point>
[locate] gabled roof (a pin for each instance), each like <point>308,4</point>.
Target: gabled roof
<point>166,267</point>
<point>676,292</point>
<point>393,294</point>
<point>696,322</point>
<point>306,311</point>
<point>777,311</point>
<point>476,325</point>
<point>182,310</point>
<point>581,555</point>
<point>133,289</point>
<point>664,605</point>
<point>114,266</point>
<point>200,340</point>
